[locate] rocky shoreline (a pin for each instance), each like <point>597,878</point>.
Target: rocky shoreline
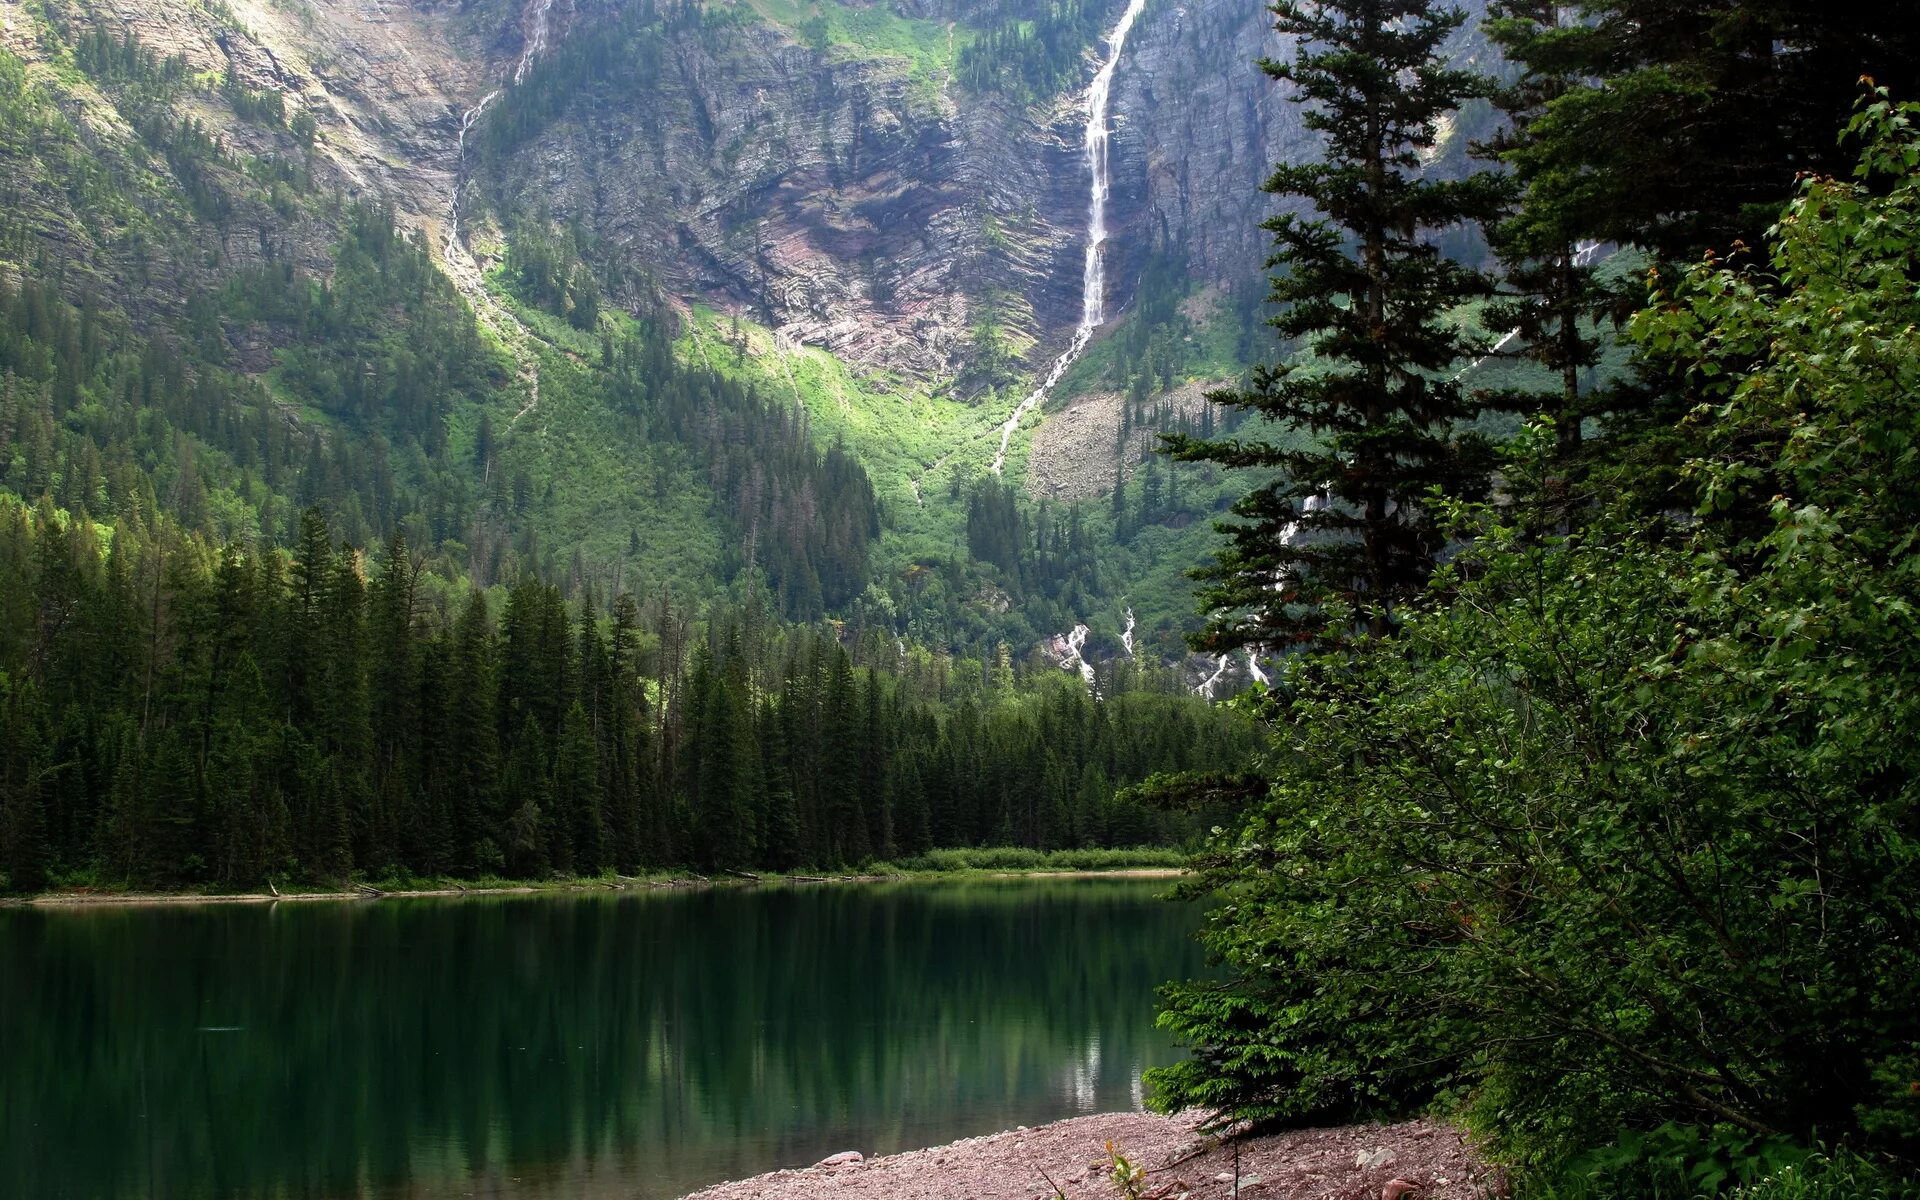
<point>1414,1160</point>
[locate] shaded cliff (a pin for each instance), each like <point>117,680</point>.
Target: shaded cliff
<point>853,197</point>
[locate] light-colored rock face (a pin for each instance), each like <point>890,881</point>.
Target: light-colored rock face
<point>1200,129</point>
<point>383,80</point>
<point>1078,453</point>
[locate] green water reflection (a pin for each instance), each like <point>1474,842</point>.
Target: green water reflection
<point>634,1045</point>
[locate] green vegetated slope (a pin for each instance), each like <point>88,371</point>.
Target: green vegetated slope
<point>929,49</point>
<point>929,455</point>
<point>347,544</point>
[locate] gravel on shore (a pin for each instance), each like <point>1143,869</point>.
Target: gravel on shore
<point>1415,1160</point>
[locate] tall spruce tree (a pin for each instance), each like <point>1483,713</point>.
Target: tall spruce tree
<point>1370,395</point>
<point>1692,118</point>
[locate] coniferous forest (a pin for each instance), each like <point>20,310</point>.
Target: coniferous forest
<point>184,714</point>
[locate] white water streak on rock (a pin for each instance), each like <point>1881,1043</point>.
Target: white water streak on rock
<point>536,20</point>
<point>1205,690</point>
<point>1254,669</point>
<point>1072,655</point>
<point>1093,274</point>
<point>536,38</point>
<point>1583,256</point>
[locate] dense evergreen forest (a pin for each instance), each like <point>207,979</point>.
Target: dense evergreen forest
<point>1594,804</point>
<point>181,714</point>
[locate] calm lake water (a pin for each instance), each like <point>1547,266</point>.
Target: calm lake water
<point>629,1045</point>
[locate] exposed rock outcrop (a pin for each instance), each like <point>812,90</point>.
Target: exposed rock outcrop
<point>837,196</point>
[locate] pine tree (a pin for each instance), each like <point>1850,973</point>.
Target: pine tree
<point>1692,118</point>
<point>527,784</point>
<point>24,852</point>
<point>577,797</point>
<point>630,771</point>
<point>1365,290</point>
<point>473,754</point>
<point>1549,285</point>
<point>781,842</point>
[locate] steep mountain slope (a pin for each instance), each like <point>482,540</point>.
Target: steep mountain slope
<point>876,214</point>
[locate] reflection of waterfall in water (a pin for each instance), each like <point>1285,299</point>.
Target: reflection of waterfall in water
<point>536,44</point>
<point>1084,1080</point>
<point>1093,274</point>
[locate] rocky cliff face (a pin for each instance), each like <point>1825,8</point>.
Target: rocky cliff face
<point>1200,127</point>
<point>890,216</point>
<point>844,198</point>
<point>852,196</point>
<point>381,83</point>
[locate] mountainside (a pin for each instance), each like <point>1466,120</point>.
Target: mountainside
<point>877,215</point>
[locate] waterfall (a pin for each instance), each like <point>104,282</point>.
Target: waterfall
<point>1254,669</point>
<point>536,38</point>
<point>1205,690</point>
<point>1126,635</point>
<point>1073,658</point>
<point>467,120</point>
<point>535,19</point>
<point>1093,274</point>
<point>1583,256</point>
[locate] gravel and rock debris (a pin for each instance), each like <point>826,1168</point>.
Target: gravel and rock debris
<point>1414,1160</point>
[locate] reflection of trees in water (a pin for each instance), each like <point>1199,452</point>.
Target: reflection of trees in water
<point>659,1040</point>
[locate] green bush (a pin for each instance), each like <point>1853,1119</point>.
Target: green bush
<point>1621,831</point>
<point>1018,858</point>
<point>1679,1163</point>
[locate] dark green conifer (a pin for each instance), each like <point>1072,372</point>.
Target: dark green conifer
<point>1365,291</point>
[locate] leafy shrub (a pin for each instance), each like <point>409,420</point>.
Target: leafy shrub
<point>1019,858</point>
<point>1679,1163</point>
<point>1621,831</point>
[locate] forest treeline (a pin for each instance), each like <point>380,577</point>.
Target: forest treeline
<point>175,713</point>
<point>1594,803</point>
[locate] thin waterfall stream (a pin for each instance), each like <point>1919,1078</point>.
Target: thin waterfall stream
<point>1093,276</point>
<point>536,44</point>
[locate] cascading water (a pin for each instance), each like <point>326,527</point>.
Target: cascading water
<point>467,120</point>
<point>536,38</point>
<point>1126,635</point>
<point>1583,256</point>
<point>1093,274</point>
<point>1254,669</point>
<point>536,19</point>
<point>1205,690</point>
<point>1073,657</point>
